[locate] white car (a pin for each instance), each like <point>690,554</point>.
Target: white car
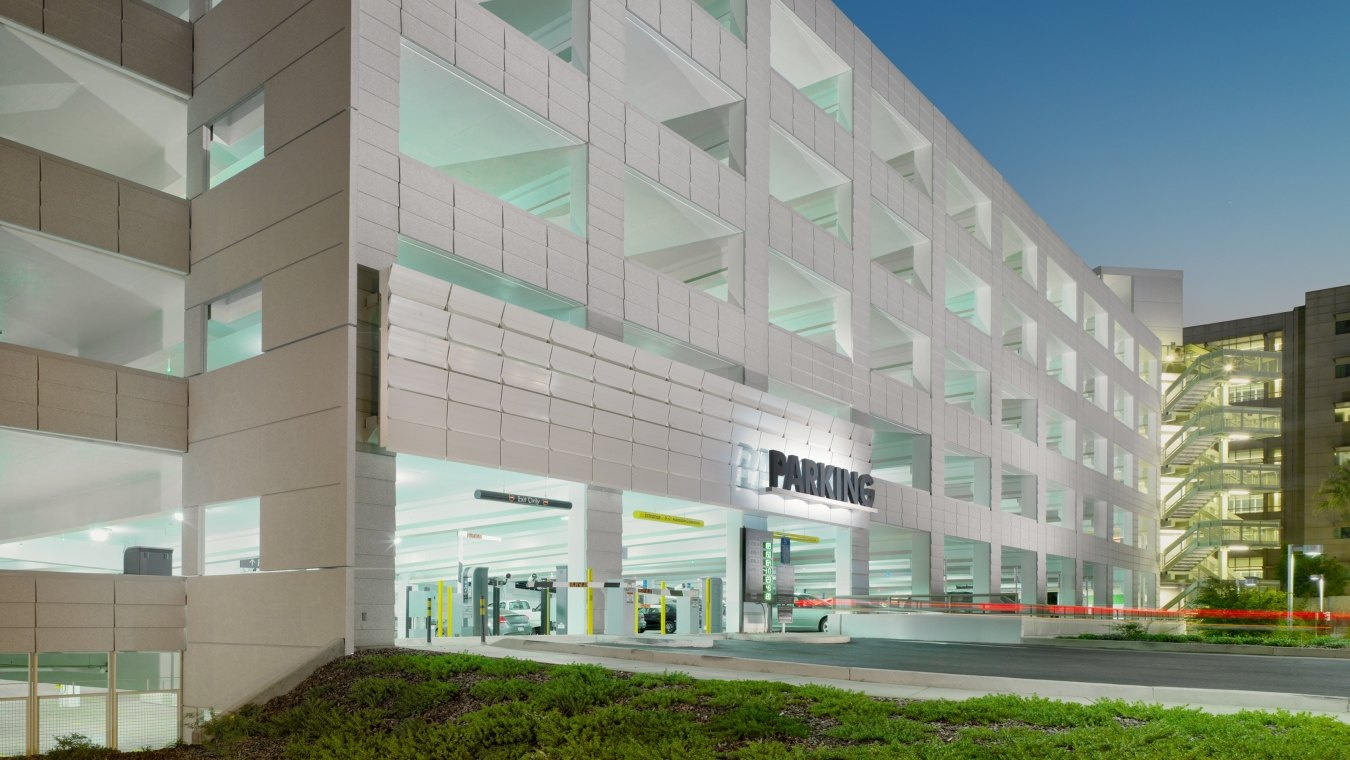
<point>523,607</point>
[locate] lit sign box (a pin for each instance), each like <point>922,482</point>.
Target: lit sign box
<point>806,476</point>
<point>515,498</point>
<point>689,522</point>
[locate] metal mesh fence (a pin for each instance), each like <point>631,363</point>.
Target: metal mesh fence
<point>77,714</point>
<point>147,719</point>
<point>13,727</point>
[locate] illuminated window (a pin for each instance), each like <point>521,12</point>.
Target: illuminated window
<point>729,13</point>
<point>1018,412</point>
<point>1019,333</point>
<point>966,385</point>
<point>806,183</point>
<point>1095,321</point>
<point>1061,290</point>
<point>547,22</point>
<point>454,123</point>
<point>965,476</point>
<point>673,236</point>
<point>1059,504</point>
<point>968,297</point>
<point>899,248</point>
<point>810,64</point>
<point>234,327</point>
<point>235,139</point>
<point>901,455</point>
<point>667,85</point>
<point>806,304</point>
<point>1019,253</point>
<point>1059,434</point>
<point>900,145</point>
<point>1060,362</point>
<point>899,351</point>
<point>1018,495</point>
<point>230,537</point>
<point>968,206</point>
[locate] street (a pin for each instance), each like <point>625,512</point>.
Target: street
<point>1294,675</point>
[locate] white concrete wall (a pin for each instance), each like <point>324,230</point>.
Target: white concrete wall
<point>399,195</point>
<point>81,612</point>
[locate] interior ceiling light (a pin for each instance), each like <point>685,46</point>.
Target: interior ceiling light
<point>99,534</point>
<point>178,516</point>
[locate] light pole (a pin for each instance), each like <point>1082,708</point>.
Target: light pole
<point>1321,584</point>
<point>1311,550</point>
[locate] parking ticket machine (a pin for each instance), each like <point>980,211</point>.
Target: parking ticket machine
<point>474,602</point>
<point>621,607</point>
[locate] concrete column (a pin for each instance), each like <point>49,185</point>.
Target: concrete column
<point>1040,587</point>
<point>1069,592</point>
<point>983,570</point>
<point>1123,577</point>
<point>1101,585</point>
<point>734,593</point>
<point>937,564</point>
<point>851,553</point>
<point>921,563</point>
<point>1079,576</point>
<point>193,538</point>
<point>373,526</point>
<point>595,543</point>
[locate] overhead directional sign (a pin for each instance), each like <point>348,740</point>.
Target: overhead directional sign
<point>516,498</point>
<point>689,522</point>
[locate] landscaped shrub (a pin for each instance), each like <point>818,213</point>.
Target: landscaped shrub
<point>411,706</point>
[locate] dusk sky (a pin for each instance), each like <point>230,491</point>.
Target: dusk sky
<point>1207,136</point>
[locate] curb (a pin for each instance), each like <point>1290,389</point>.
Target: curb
<point>1188,648</point>
<point>1256,700</point>
<point>796,638</point>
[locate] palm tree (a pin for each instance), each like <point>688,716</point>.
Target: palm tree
<point>1334,495</point>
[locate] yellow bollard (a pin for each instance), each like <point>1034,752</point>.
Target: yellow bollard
<point>663,608</point>
<point>590,603</point>
<point>707,611</point>
<point>450,607</point>
<point>429,620</point>
<point>440,608</point>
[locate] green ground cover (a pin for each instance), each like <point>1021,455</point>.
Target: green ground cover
<point>1302,638</point>
<point>1313,642</point>
<point>396,705</point>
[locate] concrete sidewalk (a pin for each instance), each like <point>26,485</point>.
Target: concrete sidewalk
<point>895,684</point>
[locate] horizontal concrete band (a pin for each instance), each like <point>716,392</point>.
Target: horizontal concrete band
<point>1193,648</point>
<point>1043,688</point>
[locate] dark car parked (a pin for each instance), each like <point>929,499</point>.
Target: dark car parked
<point>651,618</point>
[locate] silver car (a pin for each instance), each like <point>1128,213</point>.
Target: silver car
<point>513,624</point>
<point>811,613</point>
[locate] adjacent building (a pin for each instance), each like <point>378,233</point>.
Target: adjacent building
<point>339,300</point>
<point>1306,386</point>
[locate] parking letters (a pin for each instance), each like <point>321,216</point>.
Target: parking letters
<point>807,476</point>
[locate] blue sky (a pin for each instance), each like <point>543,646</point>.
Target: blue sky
<point>1202,135</point>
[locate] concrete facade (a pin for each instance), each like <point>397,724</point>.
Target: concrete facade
<point>312,426</point>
